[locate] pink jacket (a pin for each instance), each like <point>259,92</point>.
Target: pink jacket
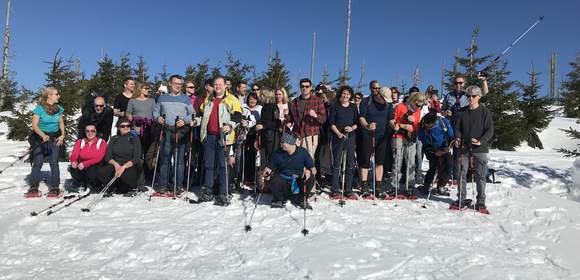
<point>88,153</point>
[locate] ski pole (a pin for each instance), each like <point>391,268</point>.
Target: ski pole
<point>50,212</point>
<point>159,143</point>
<point>305,189</point>
<point>96,200</point>
<point>248,226</point>
<point>472,167</point>
<point>496,59</point>
<point>20,158</point>
<point>374,167</point>
<point>35,213</point>
<point>175,162</point>
<point>343,165</point>
<point>189,159</point>
<point>226,154</point>
<point>461,169</point>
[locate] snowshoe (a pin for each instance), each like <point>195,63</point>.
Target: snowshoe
<point>465,204</point>
<point>336,196</point>
<point>423,189</point>
<point>222,200</point>
<point>33,193</point>
<point>54,193</point>
<point>368,196</point>
<point>441,191</point>
<point>302,204</point>
<point>351,196</point>
<point>277,204</point>
<point>481,208</point>
<point>382,195</point>
<point>410,195</point>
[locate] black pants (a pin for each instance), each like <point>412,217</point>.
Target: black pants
<point>124,184</point>
<point>440,164</point>
<point>250,158</point>
<point>282,189</point>
<point>87,176</point>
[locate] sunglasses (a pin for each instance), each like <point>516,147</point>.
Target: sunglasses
<point>90,131</point>
<point>255,89</point>
<point>124,126</point>
<point>459,83</point>
<point>356,97</point>
<point>146,88</point>
<point>190,87</point>
<point>377,88</point>
<point>304,86</point>
<point>99,105</point>
<point>472,96</point>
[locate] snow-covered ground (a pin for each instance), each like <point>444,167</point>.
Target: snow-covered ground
<point>532,232</point>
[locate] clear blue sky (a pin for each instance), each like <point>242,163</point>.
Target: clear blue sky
<point>391,37</point>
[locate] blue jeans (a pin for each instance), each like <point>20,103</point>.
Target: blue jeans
<point>418,158</point>
<point>38,155</point>
<point>214,163</point>
<point>166,169</point>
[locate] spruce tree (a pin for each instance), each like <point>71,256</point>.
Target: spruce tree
<point>236,70</point>
<point>103,80</point>
<point>122,71</point>
<point>140,72</point>
<point>276,76</point>
<point>198,74</point>
<point>535,110</point>
<point>571,89</point>
<point>501,100</point>
<point>19,123</point>
<point>10,89</point>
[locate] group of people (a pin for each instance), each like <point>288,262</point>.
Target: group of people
<point>225,139</point>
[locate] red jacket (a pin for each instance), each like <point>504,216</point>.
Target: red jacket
<point>309,125</point>
<point>88,153</point>
<point>400,117</point>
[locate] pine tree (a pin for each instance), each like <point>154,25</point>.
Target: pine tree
<point>236,70</point>
<point>66,80</point>
<point>140,73</point>
<point>161,78</point>
<point>571,89</point>
<point>501,101</point>
<point>535,110</point>
<point>276,76</point>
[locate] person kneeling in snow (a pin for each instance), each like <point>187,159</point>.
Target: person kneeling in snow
<point>435,134</point>
<point>85,158</point>
<point>294,174</point>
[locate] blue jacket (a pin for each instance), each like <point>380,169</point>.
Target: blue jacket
<point>436,136</point>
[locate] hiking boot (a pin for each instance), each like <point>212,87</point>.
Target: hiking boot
<point>54,192</point>
<point>465,203</point>
<point>32,193</point>
<point>481,208</point>
<point>351,196</point>
<point>302,204</point>
<point>277,204</point>
<point>336,196</point>
<point>222,200</point>
<point>368,196</point>
<point>441,191</point>
<point>382,195</point>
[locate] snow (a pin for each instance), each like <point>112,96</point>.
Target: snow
<point>532,232</point>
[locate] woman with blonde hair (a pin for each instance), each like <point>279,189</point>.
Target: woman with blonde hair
<point>271,124</point>
<point>45,141</point>
<point>406,121</point>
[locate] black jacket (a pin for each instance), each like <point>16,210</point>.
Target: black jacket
<point>124,148</point>
<point>103,122</point>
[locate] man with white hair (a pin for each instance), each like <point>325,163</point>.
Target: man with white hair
<point>473,131</point>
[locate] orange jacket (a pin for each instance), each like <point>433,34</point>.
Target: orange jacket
<point>400,117</point>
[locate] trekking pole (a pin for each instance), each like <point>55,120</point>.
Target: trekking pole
<point>460,179</point>
<point>248,226</point>
<point>50,212</point>
<point>257,178</point>
<point>35,213</point>
<point>496,59</point>
<point>189,159</point>
<point>305,188</point>
<point>20,158</point>
<point>472,167</point>
<point>226,155</point>
<point>96,200</point>
<point>343,167</point>
<point>157,156</point>
<point>175,162</point>
<point>429,189</point>
<point>374,167</point>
